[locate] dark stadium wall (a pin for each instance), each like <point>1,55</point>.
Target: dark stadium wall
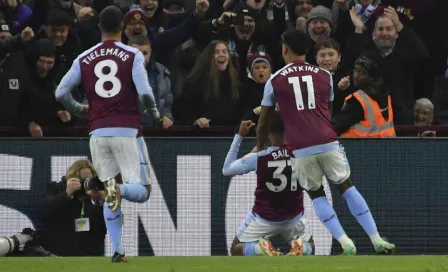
<point>194,210</point>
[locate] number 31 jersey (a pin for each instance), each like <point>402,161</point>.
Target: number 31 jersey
<point>107,72</point>
<point>303,93</point>
<point>277,196</point>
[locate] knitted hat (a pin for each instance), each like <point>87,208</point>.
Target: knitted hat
<point>320,12</point>
<point>135,15</point>
<point>370,61</point>
<point>258,57</point>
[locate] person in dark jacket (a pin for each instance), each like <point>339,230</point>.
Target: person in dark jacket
<point>39,104</point>
<point>252,89</point>
<point>368,78</point>
<point>58,29</point>
<point>73,223</point>
<point>159,80</point>
<point>401,51</point>
<point>13,79</point>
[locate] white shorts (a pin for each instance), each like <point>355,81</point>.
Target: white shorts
<point>255,227</point>
<point>126,155</point>
<point>310,170</point>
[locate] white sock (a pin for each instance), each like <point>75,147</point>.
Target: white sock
<point>345,241</point>
<point>376,238</point>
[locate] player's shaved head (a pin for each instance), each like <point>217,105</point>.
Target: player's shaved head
<point>111,20</point>
<point>296,41</point>
<point>276,126</point>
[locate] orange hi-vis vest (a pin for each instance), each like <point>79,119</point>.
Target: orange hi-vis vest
<point>374,124</point>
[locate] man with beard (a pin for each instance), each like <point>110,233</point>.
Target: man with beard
<point>401,52</point>
<point>135,23</point>
<point>368,111</point>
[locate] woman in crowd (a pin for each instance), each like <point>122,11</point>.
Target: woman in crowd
<point>210,94</point>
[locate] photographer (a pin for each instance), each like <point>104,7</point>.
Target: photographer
<point>73,223</point>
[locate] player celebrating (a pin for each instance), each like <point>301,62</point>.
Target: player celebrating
<point>113,76</point>
<point>304,93</point>
<point>278,208</point>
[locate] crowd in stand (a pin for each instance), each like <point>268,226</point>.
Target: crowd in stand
<point>208,61</point>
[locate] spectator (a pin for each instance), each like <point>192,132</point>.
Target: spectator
<point>39,103</point>
<point>252,89</point>
<point>135,23</point>
<point>13,79</point>
<point>320,26</point>
<point>328,57</point>
<point>367,112</point>
<point>159,79</point>
<point>424,116</point>
<point>401,51</point>
<point>73,222</point>
<point>298,11</point>
<point>71,8</point>
<point>68,45</point>
<point>249,36</point>
<point>210,94</point>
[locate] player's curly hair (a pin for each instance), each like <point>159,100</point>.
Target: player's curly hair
<point>77,166</point>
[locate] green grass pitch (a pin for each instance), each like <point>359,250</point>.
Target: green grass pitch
<point>229,264</point>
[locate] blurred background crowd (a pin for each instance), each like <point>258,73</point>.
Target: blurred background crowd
<point>208,60</point>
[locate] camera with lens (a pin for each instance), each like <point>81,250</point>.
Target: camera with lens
<point>90,184</point>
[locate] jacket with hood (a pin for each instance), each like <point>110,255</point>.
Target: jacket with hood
<point>39,104</point>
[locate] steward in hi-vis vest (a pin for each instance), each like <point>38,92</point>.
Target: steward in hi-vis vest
<point>367,112</point>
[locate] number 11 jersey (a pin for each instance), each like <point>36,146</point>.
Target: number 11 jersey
<point>303,93</point>
<point>108,72</point>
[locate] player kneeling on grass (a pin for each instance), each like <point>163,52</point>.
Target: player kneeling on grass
<point>278,207</point>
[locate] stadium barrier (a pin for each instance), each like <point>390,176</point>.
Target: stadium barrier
<point>194,210</point>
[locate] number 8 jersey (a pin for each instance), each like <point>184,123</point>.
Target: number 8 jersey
<point>304,93</point>
<point>109,72</point>
<point>277,197</point>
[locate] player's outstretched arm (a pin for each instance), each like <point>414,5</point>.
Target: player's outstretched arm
<point>140,78</point>
<point>248,163</point>
<point>64,91</point>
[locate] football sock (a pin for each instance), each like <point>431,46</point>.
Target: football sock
<point>134,192</point>
<point>114,225</point>
<point>345,241</point>
<point>252,249</point>
<point>307,249</point>
<point>359,209</point>
<point>328,217</point>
